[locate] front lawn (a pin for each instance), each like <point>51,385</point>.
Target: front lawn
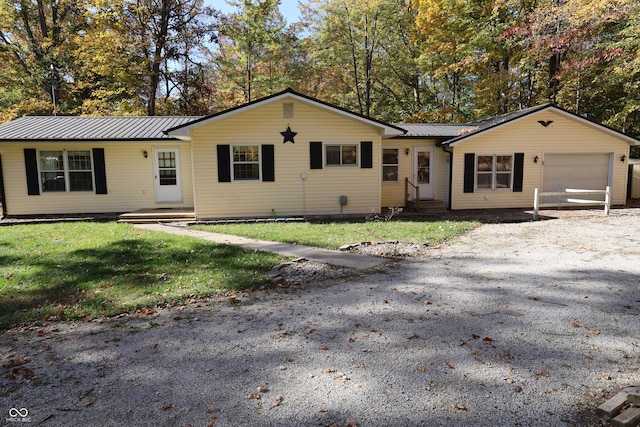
<point>332,235</point>
<point>88,270</point>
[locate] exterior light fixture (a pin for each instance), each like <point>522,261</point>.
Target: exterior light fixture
<point>145,154</point>
<point>623,158</point>
<point>535,159</point>
<point>406,151</point>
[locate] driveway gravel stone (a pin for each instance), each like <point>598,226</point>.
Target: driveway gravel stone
<point>518,324</point>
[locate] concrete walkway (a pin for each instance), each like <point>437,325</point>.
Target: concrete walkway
<point>342,259</point>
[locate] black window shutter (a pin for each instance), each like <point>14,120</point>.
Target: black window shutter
<point>469,172</point>
<point>268,173</point>
<point>31,167</point>
<point>518,172</point>
<point>315,154</point>
<point>224,163</point>
<point>366,156</point>
<point>100,171</point>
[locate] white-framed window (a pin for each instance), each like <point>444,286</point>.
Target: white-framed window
<point>389,165</point>
<point>341,154</point>
<point>494,172</point>
<point>66,171</point>
<point>246,162</point>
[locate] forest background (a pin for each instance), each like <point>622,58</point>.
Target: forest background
<point>392,60</point>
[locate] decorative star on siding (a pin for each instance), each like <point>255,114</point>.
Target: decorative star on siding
<point>288,135</point>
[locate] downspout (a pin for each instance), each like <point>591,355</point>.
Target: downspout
<point>3,199</point>
<point>450,153</point>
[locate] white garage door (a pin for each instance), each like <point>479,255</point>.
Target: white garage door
<point>588,171</point>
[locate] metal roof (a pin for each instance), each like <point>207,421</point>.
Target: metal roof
<point>459,131</point>
<point>440,130</point>
<point>53,128</point>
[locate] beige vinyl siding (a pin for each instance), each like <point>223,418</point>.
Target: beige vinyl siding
<point>393,192</point>
<point>564,135</point>
<point>130,179</point>
<point>317,194</point>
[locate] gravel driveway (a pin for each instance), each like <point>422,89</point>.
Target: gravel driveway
<point>512,324</point>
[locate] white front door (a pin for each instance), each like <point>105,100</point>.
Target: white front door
<point>423,171</point>
<point>166,171</point>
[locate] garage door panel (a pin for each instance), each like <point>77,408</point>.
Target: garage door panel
<point>588,171</point>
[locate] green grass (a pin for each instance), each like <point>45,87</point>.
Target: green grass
<point>332,235</point>
<point>88,270</point>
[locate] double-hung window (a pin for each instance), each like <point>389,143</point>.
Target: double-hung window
<point>246,162</point>
<point>494,172</point>
<point>66,171</point>
<point>341,154</point>
<point>390,165</point>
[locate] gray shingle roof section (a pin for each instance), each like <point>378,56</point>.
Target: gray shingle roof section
<point>87,128</point>
<point>482,125</point>
<point>439,130</point>
<point>496,120</point>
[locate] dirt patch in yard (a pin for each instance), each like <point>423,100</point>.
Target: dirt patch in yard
<point>524,323</point>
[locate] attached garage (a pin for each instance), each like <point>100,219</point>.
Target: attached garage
<point>557,150</point>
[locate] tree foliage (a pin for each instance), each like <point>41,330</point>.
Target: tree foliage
<point>250,50</point>
<point>395,60</point>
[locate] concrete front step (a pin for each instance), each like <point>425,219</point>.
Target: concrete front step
<point>158,215</point>
<point>155,220</point>
<point>426,206</point>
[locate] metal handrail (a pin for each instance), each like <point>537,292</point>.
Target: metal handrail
<point>416,199</point>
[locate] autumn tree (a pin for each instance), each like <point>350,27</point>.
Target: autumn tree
<point>585,54</point>
<point>347,42</point>
<point>109,69</point>
<point>169,33</point>
<point>35,48</point>
<point>250,56</point>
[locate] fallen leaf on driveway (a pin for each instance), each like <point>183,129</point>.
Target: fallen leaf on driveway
<point>14,362</point>
<point>278,400</point>
<point>461,407</point>
<point>351,423</point>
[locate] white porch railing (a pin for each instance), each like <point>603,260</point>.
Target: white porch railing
<point>564,199</point>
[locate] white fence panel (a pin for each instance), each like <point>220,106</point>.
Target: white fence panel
<point>565,199</point>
